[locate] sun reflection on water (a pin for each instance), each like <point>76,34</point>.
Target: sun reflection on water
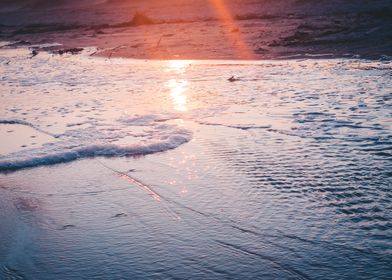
<point>178,86</point>
<point>177,94</point>
<point>178,66</point>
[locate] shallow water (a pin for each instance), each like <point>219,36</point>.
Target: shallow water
<point>282,174</point>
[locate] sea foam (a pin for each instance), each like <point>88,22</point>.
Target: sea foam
<point>85,105</point>
<point>94,141</point>
<point>119,107</point>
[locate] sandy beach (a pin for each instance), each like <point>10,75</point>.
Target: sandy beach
<point>206,29</point>
<point>251,141</point>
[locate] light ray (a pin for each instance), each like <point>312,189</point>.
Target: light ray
<point>232,29</point>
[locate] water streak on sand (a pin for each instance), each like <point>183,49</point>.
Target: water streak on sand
<point>134,181</point>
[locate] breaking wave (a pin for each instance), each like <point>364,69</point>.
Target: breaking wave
<point>95,141</point>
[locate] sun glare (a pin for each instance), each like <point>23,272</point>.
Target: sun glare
<point>178,66</point>
<point>177,94</point>
<point>231,29</point>
<point>177,86</point>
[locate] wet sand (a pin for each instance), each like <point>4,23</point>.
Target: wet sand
<point>211,219</point>
<point>168,170</point>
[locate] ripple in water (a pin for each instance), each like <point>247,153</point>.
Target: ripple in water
<point>283,174</point>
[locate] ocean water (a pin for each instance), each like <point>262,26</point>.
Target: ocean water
<point>137,169</point>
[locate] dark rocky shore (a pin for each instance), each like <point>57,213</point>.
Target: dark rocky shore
<point>198,29</point>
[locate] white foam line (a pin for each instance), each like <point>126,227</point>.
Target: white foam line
<point>21,122</point>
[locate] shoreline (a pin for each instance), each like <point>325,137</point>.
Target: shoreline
<point>37,46</point>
